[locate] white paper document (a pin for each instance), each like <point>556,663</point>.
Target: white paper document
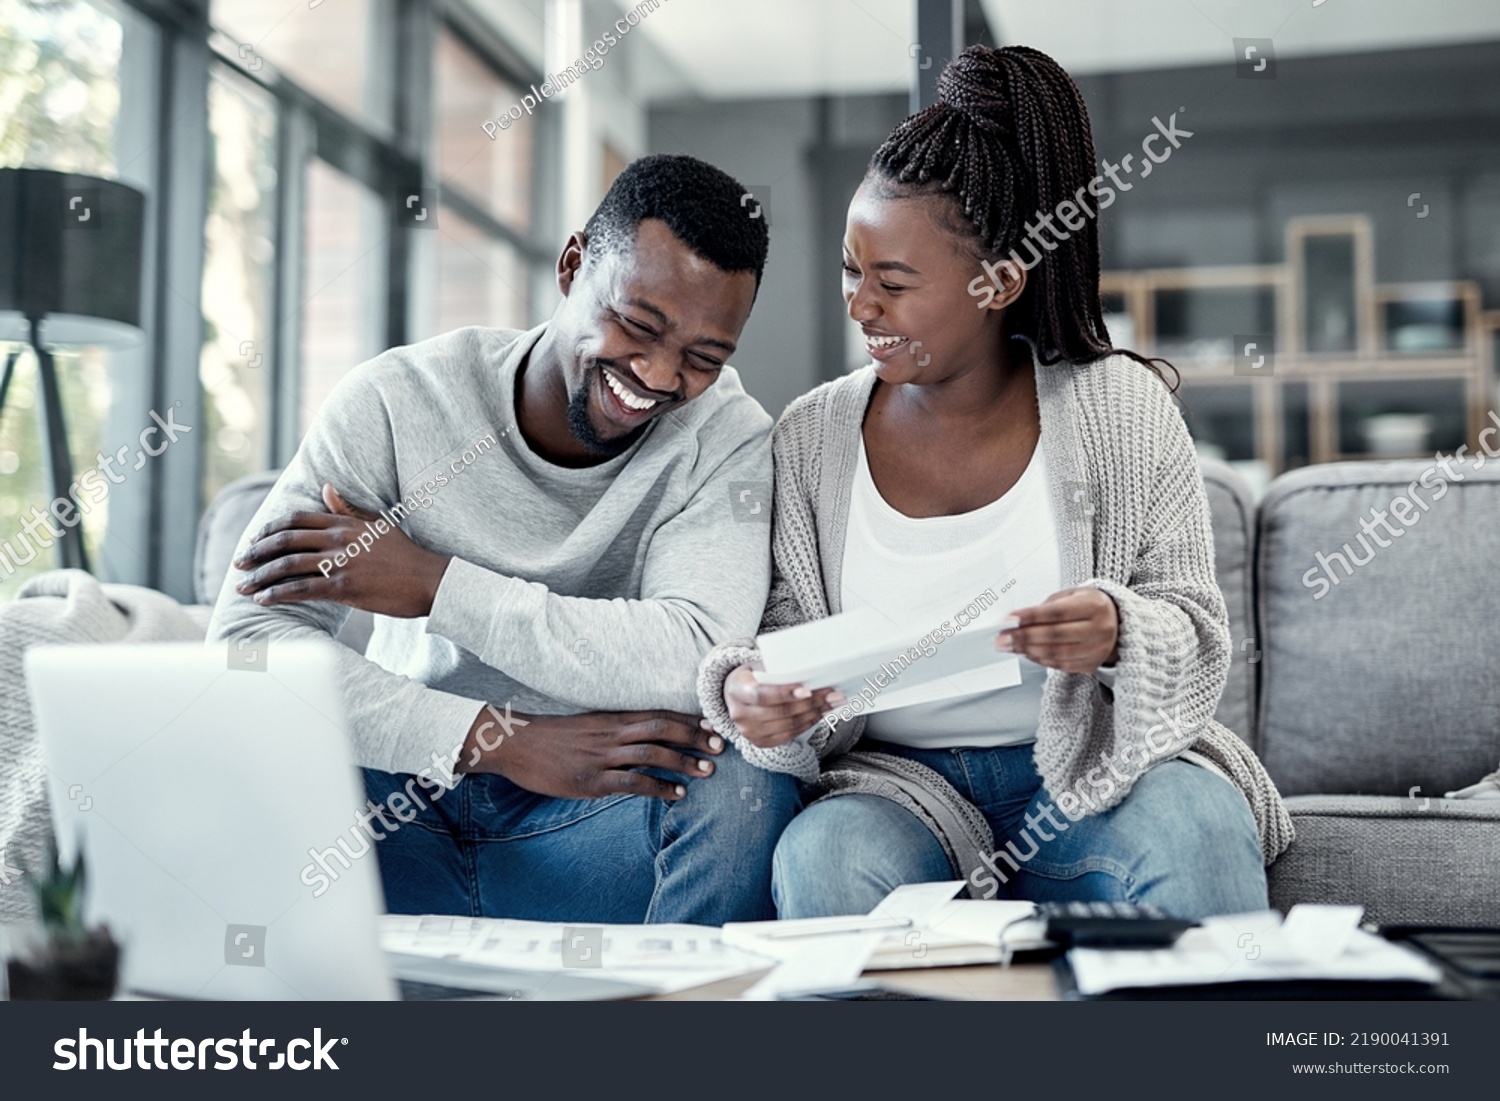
<point>862,650</point>
<point>1313,943</point>
<point>907,907</point>
<point>831,962</point>
<point>916,926</point>
<point>665,958</point>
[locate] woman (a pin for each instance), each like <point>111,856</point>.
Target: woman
<point>999,445</point>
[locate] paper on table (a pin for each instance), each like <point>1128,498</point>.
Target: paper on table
<point>907,907</point>
<point>847,652</point>
<point>664,957</point>
<point>539,945</point>
<point>915,903</point>
<point>436,935</point>
<point>1234,948</point>
<point>1320,932</point>
<point>833,962</point>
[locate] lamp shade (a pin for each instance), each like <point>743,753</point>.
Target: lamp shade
<point>70,255</point>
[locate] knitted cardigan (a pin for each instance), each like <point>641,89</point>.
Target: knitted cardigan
<point>1133,522</point>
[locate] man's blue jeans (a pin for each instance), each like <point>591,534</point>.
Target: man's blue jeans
<point>491,849</point>
<point>1183,839</point>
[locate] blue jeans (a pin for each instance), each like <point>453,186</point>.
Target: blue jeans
<point>491,849</point>
<point>1183,839</point>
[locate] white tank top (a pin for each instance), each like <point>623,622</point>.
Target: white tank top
<point>905,567</point>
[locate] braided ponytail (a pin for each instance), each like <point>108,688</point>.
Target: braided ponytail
<point>1009,139</point>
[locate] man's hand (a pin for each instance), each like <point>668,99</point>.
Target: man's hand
<point>305,556</point>
<point>774,714</point>
<point>1075,631</point>
<point>593,755</point>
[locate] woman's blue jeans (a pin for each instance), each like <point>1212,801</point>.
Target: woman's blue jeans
<point>1183,839</point>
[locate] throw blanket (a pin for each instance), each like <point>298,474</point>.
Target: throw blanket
<point>1114,441</point>
<point>65,606</point>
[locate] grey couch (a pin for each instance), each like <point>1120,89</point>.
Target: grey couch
<point>1365,705</point>
<point>1368,702</point>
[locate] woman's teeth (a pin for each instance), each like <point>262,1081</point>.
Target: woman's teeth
<point>884,341</point>
<point>627,399</point>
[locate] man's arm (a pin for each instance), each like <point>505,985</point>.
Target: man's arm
<point>397,724</point>
<point>705,580</point>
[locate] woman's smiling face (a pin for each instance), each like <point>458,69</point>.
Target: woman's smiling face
<point>906,282</point>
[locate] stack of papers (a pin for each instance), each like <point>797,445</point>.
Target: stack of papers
<point>663,958</point>
<point>918,925</point>
<point>1317,943</point>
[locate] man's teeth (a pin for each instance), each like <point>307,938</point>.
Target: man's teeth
<point>628,399</point>
<point>883,341</point>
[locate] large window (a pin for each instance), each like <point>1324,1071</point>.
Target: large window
<point>481,280</point>
<point>492,166</point>
<point>59,105</point>
<point>339,50</point>
<point>274,262</point>
<point>238,280</point>
<point>339,312</point>
<point>488,180</point>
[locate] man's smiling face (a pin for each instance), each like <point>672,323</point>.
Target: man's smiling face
<point>643,329</point>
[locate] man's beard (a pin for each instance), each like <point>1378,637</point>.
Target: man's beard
<point>583,429</point>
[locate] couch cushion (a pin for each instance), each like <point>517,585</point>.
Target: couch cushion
<point>1387,679</point>
<point>1231,509</point>
<point>1405,864</point>
<point>219,532</point>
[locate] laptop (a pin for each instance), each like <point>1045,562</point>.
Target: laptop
<point>201,782</point>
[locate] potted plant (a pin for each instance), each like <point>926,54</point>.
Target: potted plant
<point>68,962</point>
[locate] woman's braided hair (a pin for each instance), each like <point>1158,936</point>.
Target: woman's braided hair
<point>1009,139</point>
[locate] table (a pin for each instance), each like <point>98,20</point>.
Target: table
<point>1021,982</point>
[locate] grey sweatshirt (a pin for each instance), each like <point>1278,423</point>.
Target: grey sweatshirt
<point>570,590</point>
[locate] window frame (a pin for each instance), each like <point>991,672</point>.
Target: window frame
<point>306,128</point>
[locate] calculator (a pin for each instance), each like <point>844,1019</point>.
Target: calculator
<point>1110,925</point>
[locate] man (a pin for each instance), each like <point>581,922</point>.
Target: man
<point>552,529</point>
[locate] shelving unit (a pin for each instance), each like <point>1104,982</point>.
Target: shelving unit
<point>1355,370</point>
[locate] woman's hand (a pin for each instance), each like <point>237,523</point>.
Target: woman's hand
<point>1076,631</point>
<point>774,714</point>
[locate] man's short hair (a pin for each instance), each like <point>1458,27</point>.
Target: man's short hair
<point>699,203</point>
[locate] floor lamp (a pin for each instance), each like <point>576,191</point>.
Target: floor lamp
<point>70,275</point>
